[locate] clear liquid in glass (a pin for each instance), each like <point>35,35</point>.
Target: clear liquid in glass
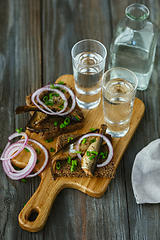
<point>118,102</point>
<point>87,75</point>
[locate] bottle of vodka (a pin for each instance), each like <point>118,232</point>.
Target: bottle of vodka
<point>134,44</point>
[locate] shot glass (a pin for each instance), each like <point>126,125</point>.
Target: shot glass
<point>88,59</point>
<point>118,90</point>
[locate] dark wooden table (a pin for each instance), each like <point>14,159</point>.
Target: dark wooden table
<point>36,37</point>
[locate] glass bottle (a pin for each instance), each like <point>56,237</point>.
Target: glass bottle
<point>134,44</point>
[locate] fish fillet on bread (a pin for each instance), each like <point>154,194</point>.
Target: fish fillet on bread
<point>49,126</point>
<point>62,164</point>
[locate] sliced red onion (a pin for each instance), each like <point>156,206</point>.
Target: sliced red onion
<point>110,154</point>
<point>46,157</point>
<point>72,97</point>
<point>49,112</point>
<point>8,144</point>
<point>47,88</point>
<point>8,168</point>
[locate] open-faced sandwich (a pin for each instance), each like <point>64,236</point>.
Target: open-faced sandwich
<point>88,155</point>
<point>54,111</point>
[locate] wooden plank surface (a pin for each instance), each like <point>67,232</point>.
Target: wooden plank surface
<point>35,43</point>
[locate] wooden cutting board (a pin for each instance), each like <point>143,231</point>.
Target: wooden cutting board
<point>42,200</point>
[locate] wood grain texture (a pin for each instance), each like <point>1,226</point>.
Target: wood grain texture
<point>42,201</point>
<point>35,42</point>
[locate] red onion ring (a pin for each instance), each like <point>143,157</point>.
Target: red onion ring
<point>49,112</point>
<point>110,155</point>
<point>8,168</point>
<point>8,144</point>
<point>12,150</point>
<point>47,88</point>
<point>46,157</point>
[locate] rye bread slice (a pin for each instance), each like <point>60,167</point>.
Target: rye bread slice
<point>107,171</point>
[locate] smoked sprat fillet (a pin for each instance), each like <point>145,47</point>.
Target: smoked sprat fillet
<point>107,171</point>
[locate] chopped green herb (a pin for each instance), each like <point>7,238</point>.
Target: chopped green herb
<point>62,90</point>
<point>74,162</point>
<point>19,130</point>
<point>24,180</point>
<point>66,121</point>
<point>55,123</point>
<point>91,157</point>
<point>93,140</point>
<point>70,105</point>
<point>57,88</point>
<point>26,149</point>
<point>62,125</point>
<point>92,129</point>
<point>84,140</point>
<point>48,141</point>
<point>37,151</point>
<point>60,107</point>
<point>105,155</point>
<point>52,86</point>
<point>70,138</point>
<point>60,82</point>
<point>88,153</point>
<point>0,151</point>
<point>73,168</point>
<point>78,152</point>
<point>37,161</point>
<point>45,98</point>
<point>94,152</point>
<point>52,149</point>
<point>24,204</point>
<point>50,96</point>
<point>69,159</point>
<point>77,118</point>
<point>58,165</point>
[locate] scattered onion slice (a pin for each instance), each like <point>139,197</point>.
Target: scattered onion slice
<point>47,88</point>
<point>4,156</point>
<point>50,112</point>
<point>110,155</point>
<point>46,157</point>
<point>12,150</point>
<point>8,168</point>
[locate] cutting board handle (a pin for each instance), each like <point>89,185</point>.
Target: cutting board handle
<point>35,213</point>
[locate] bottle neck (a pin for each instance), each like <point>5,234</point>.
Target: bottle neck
<point>137,15</point>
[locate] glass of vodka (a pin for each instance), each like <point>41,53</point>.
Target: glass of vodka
<point>88,59</point>
<point>134,44</point>
<point>118,90</point>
